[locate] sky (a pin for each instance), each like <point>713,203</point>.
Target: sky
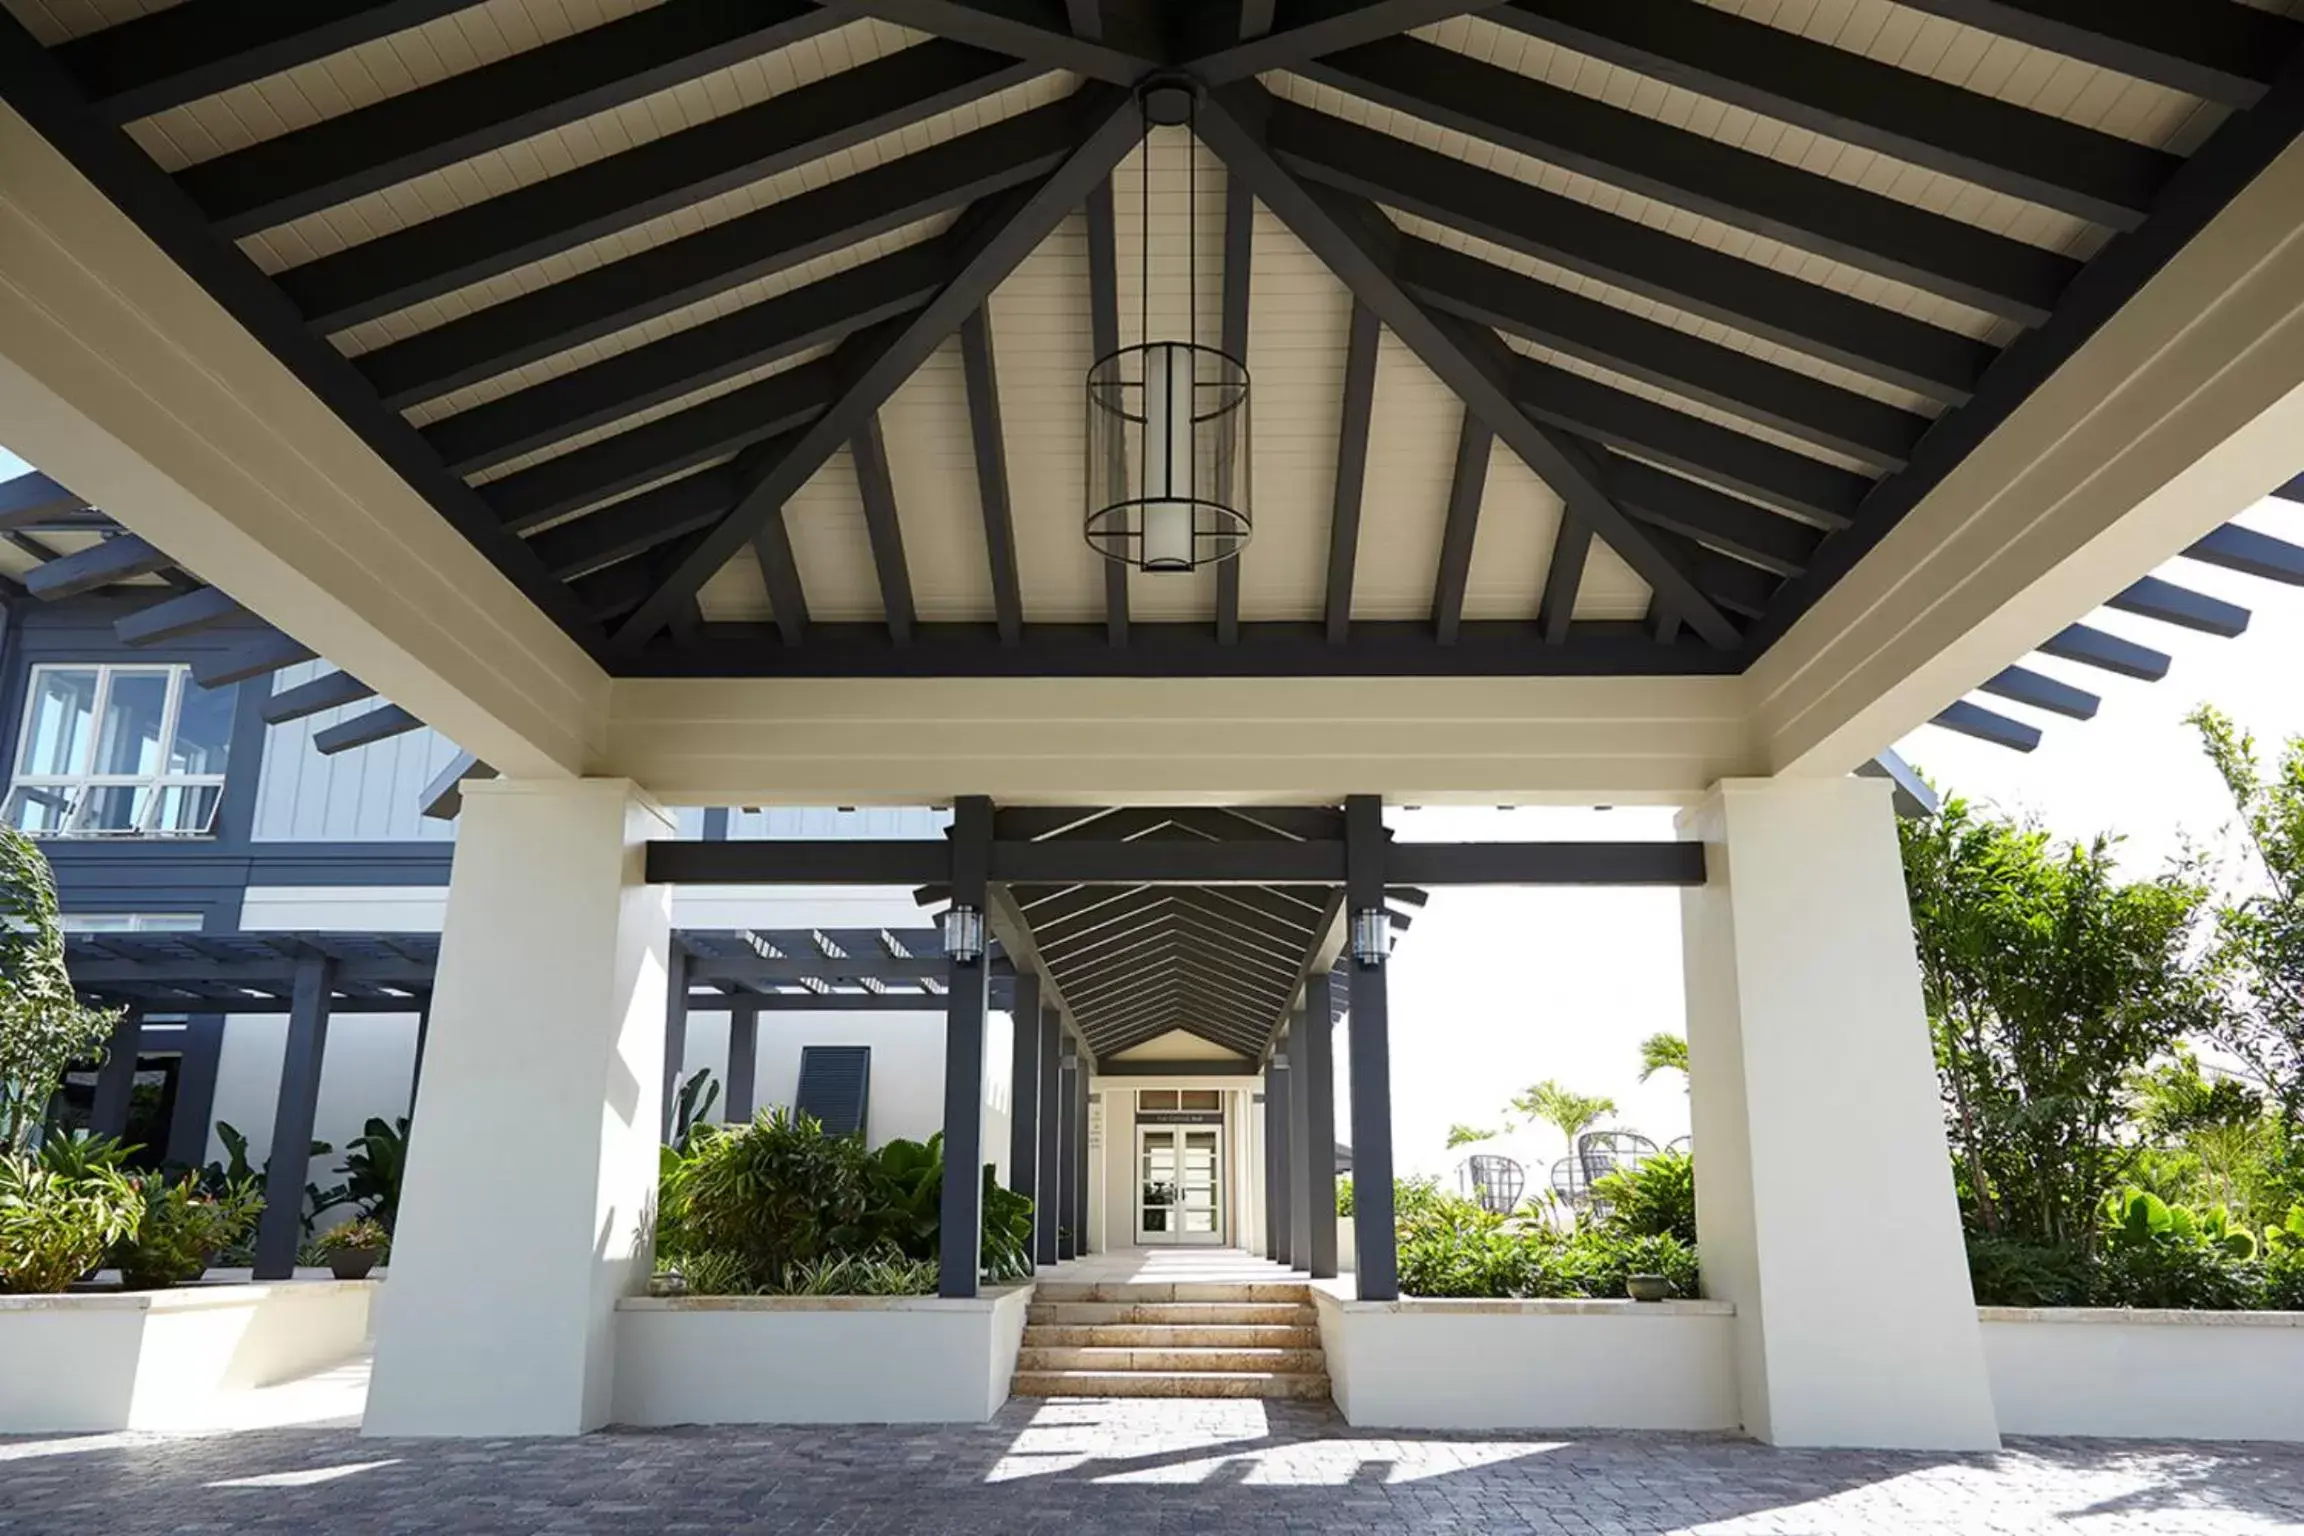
<point>1494,990</point>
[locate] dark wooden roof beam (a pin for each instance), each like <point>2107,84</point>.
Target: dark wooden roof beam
<point>187,613</point>
<point>365,729</point>
<point>636,524</point>
<point>1973,720</point>
<point>1749,532</point>
<point>2022,685</point>
<point>1879,343</point>
<point>101,564</point>
<point>1856,100</point>
<point>2226,52</point>
<point>1811,212</point>
<point>330,690</point>
<point>981,377</point>
<point>1352,428</point>
<point>878,492</point>
<point>1467,483</point>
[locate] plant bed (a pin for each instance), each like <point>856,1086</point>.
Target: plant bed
<point>816,1359</point>
<point>98,1360</point>
<point>2148,1373</point>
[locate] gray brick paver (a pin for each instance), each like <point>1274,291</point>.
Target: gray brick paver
<point>1078,1468</point>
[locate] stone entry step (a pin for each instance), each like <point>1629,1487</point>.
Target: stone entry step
<point>1179,1314</point>
<point>1190,1362</point>
<point>1139,1291</point>
<point>1183,1338</point>
<point>1172,1336</point>
<point>1303,1387</point>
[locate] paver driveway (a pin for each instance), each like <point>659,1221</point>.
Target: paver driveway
<point>1149,1466</point>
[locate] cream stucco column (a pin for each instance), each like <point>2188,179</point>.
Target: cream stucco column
<point>532,1167</point>
<point>1824,1202</point>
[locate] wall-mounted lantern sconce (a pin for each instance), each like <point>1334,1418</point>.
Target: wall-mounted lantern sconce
<point>964,935</point>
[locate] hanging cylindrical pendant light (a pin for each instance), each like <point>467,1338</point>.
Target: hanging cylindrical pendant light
<point>1168,465</point>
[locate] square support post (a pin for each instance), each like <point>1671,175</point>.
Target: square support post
<point>116,1079</point>
<point>416,1067</point>
<point>553,975</point>
<point>675,1031</point>
<point>1300,1149</point>
<point>1824,1201</point>
<point>1067,1135</point>
<point>1082,1113</point>
<point>1047,1210</point>
<point>1024,1089</point>
<point>1376,1250</point>
<point>1277,1138</point>
<point>969,994</point>
<point>743,1061</point>
<point>281,1228</point>
<point>1320,1130</point>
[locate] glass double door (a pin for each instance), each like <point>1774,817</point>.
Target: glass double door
<point>1180,1184</point>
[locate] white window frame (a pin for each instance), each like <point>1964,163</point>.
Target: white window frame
<point>81,783</point>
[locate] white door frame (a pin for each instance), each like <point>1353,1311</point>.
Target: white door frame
<point>1172,1232</point>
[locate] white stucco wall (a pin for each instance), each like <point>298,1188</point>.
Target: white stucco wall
<point>817,1360</point>
<point>158,1359</point>
<point>1531,1364</point>
<point>2158,1375</point>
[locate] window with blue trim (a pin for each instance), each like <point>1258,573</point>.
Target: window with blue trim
<point>119,751</point>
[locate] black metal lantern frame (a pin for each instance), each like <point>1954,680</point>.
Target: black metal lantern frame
<point>1168,420</point>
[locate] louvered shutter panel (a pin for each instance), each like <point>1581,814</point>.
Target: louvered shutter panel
<point>836,1086</point>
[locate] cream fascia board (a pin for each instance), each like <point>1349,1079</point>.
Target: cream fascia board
<point>124,380</point>
<point>1497,741</point>
<point>2182,411</point>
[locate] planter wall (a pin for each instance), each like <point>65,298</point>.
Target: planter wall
<point>2146,1374</point>
<point>1419,1364</point>
<point>158,1359</point>
<point>816,1359</point>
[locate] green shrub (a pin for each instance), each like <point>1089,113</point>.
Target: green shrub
<point>182,1230</point>
<point>2283,1279</point>
<point>1597,1262</point>
<point>777,1206</point>
<point>1655,1198</point>
<point>55,1227</point>
<point>1344,1197</point>
<point>2009,1272</point>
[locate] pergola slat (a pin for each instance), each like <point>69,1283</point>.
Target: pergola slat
<point>2093,647</point>
<point>1973,720</point>
<point>187,613</point>
<point>2022,685</point>
<point>2151,597</point>
<point>270,652</point>
<point>366,729</point>
<point>2234,548</point>
<point>330,690</point>
<point>99,565</point>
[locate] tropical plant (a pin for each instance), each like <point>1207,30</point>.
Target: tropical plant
<point>2158,1255</point>
<point>44,1027</point>
<point>183,1229</point>
<point>2048,984</point>
<point>374,1161</point>
<point>1655,1197</point>
<point>84,1153</point>
<point>1462,1135</point>
<point>56,1227</point>
<point>1557,1105</point>
<point>1007,1249</point>
<point>1663,1051</point>
<point>693,1106</point>
<point>2259,946</point>
<point>361,1234</point>
<point>1344,1196</point>
<point>771,1194</point>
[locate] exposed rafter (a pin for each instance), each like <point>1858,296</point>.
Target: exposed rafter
<point>1351,468</point>
<point>982,376</point>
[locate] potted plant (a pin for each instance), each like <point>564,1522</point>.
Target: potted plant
<point>356,1247</point>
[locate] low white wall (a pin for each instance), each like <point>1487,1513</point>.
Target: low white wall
<point>1418,1364</point>
<point>2158,1375</point>
<point>156,1359</point>
<point>816,1359</point>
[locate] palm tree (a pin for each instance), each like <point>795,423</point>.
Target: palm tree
<point>1461,1134</point>
<point>1572,1112</point>
<point>1663,1052</point>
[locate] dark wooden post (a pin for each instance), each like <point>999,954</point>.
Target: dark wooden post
<point>1277,1138</point>
<point>675,1028</point>
<point>1320,1129</point>
<point>1301,1152</point>
<point>1048,1212</point>
<point>1068,1177</point>
<point>116,1079</point>
<point>969,994</point>
<point>1378,1254</point>
<point>282,1226</point>
<point>743,1060</point>
<point>1080,1115</point>
<point>1024,1088</point>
